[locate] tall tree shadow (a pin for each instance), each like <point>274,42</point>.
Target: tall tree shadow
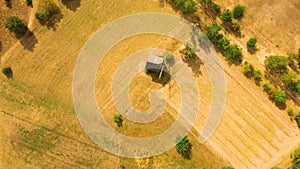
<point>8,3</point>
<point>29,41</point>
<point>71,4</point>
<point>52,22</point>
<point>1,46</point>
<point>194,64</point>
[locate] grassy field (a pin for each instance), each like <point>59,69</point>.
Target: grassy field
<point>38,125</point>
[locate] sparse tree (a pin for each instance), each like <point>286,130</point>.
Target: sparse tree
<point>236,27</point>
<point>251,43</point>
<point>212,32</point>
<point>169,58</point>
<point>15,25</point>
<point>267,86</point>
<point>297,118</point>
<point>185,6</point>
<point>233,52</point>
<point>226,16</point>
<point>248,69</point>
<point>223,43</point>
<point>280,97</point>
<point>291,81</point>
<point>118,119</point>
<point>188,52</point>
<point>276,64</point>
<point>28,2</point>
<point>218,8</point>
<point>257,74</point>
<point>183,146</point>
<point>238,11</point>
<point>290,112</point>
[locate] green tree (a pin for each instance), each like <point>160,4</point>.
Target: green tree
<point>276,64</point>
<point>233,52</point>
<point>169,58</point>
<point>118,119</point>
<point>218,8</point>
<point>226,16</point>
<point>212,32</point>
<point>297,118</point>
<point>267,86</point>
<point>280,97</point>
<point>236,27</point>
<point>42,15</point>
<point>257,74</point>
<point>248,69</point>
<point>291,81</point>
<point>290,112</point>
<point>15,25</point>
<point>238,11</point>
<point>183,146</point>
<point>251,43</point>
<point>28,2</point>
<point>188,52</point>
<point>223,43</point>
<point>185,6</point>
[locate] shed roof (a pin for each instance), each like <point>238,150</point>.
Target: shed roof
<point>155,59</point>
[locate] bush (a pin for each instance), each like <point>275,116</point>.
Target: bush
<point>48,11</point>
<point>251,43</point>
<point>236,27</point>
<point>297,118</point>
<point>291,81</point>
<point>169,58</point>
<point>15,24</point>
<point>223,43</point>
<point>233,52</point>
<point>248,69</point>
<point>226,16</point>
<point>212,32</point>
<point>183,146</point>
<point>238,11</point>
<point>185,6</point>
<point>188,52</point>
<point>6,70</point>
<point>267,86</point>
<point>296,160</point>
<point>42,15</point>
<point>290,112</point>
<point>118,119</point>
<point>227,168</point>
<point>218,8</point>
<point>257,74</point>
<point>28,2</point>
<point>276,64</point>
<point>280,97</point>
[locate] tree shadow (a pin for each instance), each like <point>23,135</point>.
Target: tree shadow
<point>187,154</point>
<point>194,64</point>
<point>10,74</point>
<point>52,22</point>
<point>281,106</point>
<point>8,3</point>
<point>1,46</point>
<point>228,27</point>
<point>71,4</point>
<point>257,82</point>
<point>29,41</point>
<point>294,66</point>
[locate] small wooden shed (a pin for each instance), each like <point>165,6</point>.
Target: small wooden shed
<point>156,64</point>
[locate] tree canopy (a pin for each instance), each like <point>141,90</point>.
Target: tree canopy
<point>212,32</point>
<point>276,64</point>
<point>238,11</point>
<point>185,6</point>
<point>233,52</point>
<point>15,25</point>
<point>226,16</point>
